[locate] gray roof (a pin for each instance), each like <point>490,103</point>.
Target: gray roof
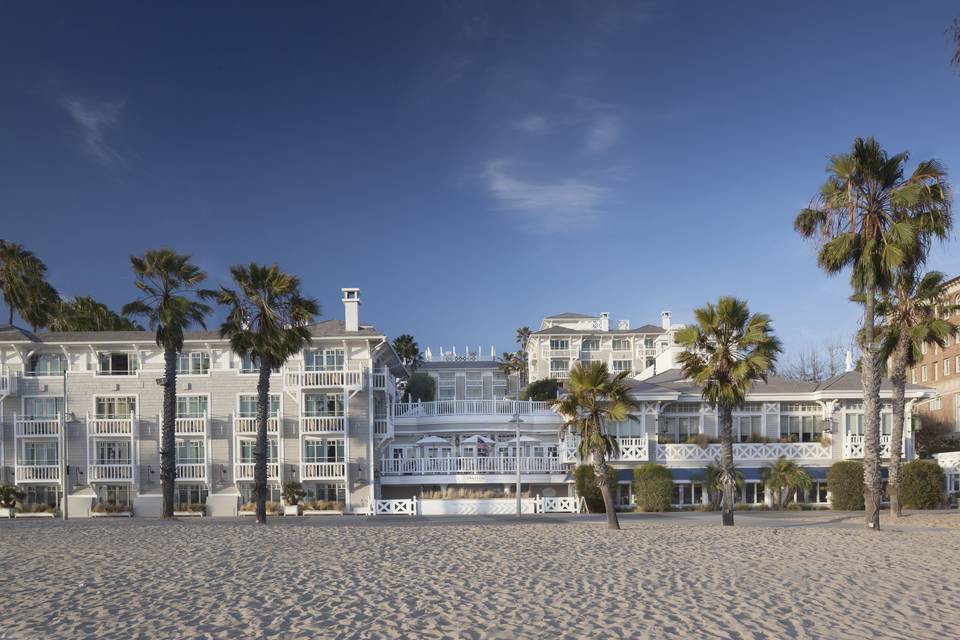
<point>645,329</point>
<point>570,315</point>
<point>850,381</point>
<point>326,329</point>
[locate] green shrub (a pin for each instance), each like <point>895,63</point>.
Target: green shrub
<point>293,493</point>
<point>922,487</point>
<point>845,480</point>
<point>541,390</point>
<point>420,387</point>
<point>652,487</point>
<point>794,506</point>
<point>586,482</point>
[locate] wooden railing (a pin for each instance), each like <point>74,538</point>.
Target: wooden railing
<point>470,408</point>
<point>323,424</point>
<point>464,465</point>
<point>244,470</point>
<point>192,471</point>
<point>322,470</point>
<point>247,425</point>
<point>107,472</point>
<point>44,427</point>
<point>38,473</point>
<point>324,378</point>
<point>193,426</point>
<point>853,446</point>
<point>110,426</point>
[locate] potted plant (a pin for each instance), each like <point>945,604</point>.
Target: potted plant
<point>292,495</point>
<point>9,495</point>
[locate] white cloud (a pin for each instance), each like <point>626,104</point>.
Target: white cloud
<point>602,133</point>
<point>545,206</point>
<point>95,118</point>
<point>534,123</point>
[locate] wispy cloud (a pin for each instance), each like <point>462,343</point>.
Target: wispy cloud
<point>95,118</point>
<point>545,207</point>
<point>533,123</point>
<point>603,132</point>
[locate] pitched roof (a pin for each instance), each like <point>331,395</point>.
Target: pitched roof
<point>647,328</point>
<point>570,315</point>
<point>851,381</point>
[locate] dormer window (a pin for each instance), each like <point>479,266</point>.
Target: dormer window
<point>118,364</point>
<point>46,364</point>
<point>193,363</point>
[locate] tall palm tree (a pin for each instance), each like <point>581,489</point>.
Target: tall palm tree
<point>593,398</point>
<point>514,363</point>
<point>870,217</point>
<point>408,350</point>
<point>955,30</point>
<point>41,304</point>
<point>712,479</point>
<point>170,301</point>
<point>20,272</point>
<point>83,313</point>
<point>523,336</point>
<point>269,319</point>
<point>727,350</point>
<point>783,476</point>
<point>913,316</point>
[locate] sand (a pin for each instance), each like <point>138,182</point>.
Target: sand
<point>774,575</point>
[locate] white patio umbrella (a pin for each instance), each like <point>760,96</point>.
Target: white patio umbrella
<point>477,440</point>
<point>436,440</point>
<point>524,439</point>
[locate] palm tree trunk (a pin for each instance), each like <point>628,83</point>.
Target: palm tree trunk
<point>168,437</point>
<point>899,379</point>
<point>871,409</point>
<point>262,452</point>
<point>9,314</point>
<point>727,474</point>
<point>601,471</point>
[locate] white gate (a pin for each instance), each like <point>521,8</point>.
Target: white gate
<point>395,507</point>
<point>559,504</point>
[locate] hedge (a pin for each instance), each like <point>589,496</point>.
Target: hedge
<point>652,487</point>
<point>922,486</point>
<point>845,480</point>
<point>586,482</point>
<point>541,390</point>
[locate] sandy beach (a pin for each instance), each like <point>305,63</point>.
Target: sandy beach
<point>774,575</point>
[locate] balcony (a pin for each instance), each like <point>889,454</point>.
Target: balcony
<point>628,450</point>
<point>744,452</point>
<point>110,426</point>
<point>381,427</point>
<point>383,381</point>
<point>322,424</point>
<point>557,374</point>
<point>247,425</point>
<point>111,473</point>
<point>469,466</point>
<point>46,473</point>
<point>471,408</point>
<point>322,470</point>
<point>195,471</point>
<point>853,446</point>
<point>336,378</point>
<point>37,427</point>
<point>244,471</point>
<point>192,426</point>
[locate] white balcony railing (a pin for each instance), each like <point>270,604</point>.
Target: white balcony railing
<point>6,380</point>
<point>110,426</point>
<point>42,427</point>
<point>853,446</point>
<point>247,425</point>
<point>38,473</point>
<point>326,378</point>
<point>322,470</point>
<point>381,427</point>
<point>193,426</point>
<point>192,471</point>
<point>111,472</point>
<point>559,375</point>
<point>744,452</point>
<point>631,449</point>
<point>468,466</point>
<point>244,470</point>
<point>322,424</point>
<point>470,407</point>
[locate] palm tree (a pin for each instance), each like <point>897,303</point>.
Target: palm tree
<point>515,363</point>
<point>170,302</point>
<point>955,29</point>
<point>727,350</point>
<point>523,336</point>
<point>20,272</point>
<point>408,350</point>
<point>83,313</point>
<point>593,398</point>
<point>712,479</point>
<point>41,303</point>
<point>269,319</point>
<point>913,316</point>
<point>783,476</point>
<point>871,218</point>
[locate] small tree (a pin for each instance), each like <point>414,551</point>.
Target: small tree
<point>541,390</point>
<point>293,493</point>
<point>712,479</point>
<point>652,487</point>
<point>421,387</point>
<point>9,494</point>
<point>783,476</point>
<point>923,483</point>
<point>845,480</point>
<point>585,481</point>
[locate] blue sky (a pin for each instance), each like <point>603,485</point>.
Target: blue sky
<point>471,166</point>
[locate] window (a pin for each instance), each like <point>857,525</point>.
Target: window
<point>248,405</point>
<point>622,365</point>
<point>799,428</point>
<point>687,493</point>
<point>118,364</point>
<point>621,344</point>
<point>323,404</point>
<point>886,424</point>
<point>116,494</point>
<point>46,364</point>
<point>680,428</point>
<point>40,453</point>
<point>41,494</point>
<point>956,364</point>
<point>193,363</point>
<point>923,348</point>
<point>474,385</point>
<point>591,344</point>
<point>116,407</point>
<point>190,494</point>
<point>626,429</point>
<point>190,452</point>
<point>936,404</point>
<point>854,424</point>
<point>250,363</point>
<point>913,375</point>
<point>323,450</point>
<point>651,362</point>
<point>923,373</point>
<point>752,493</point>
<point>447,385</point>
<point>247,448</point>
<point>559,364</point>
<point>42,408</point>
<point>324,360</point>
<point>748,428</point>
<point>946,366</point>
<point>192,406</point>
<point>113,452</point>
<point>499,385</point>
<point>936,370</point>
<point>648,343</point>
<point>559,344</point>
<point>325,492</point>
